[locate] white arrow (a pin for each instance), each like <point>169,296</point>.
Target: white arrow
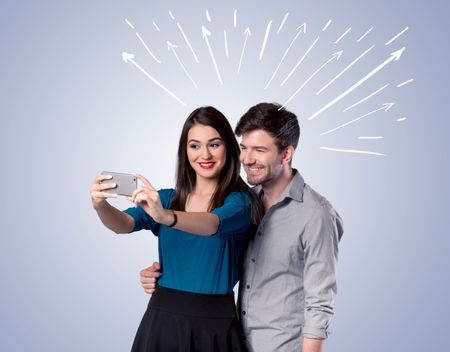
<point>335,56</point>
<point>127,57</point>
<point>385,107</point>
<point>206,34</point>
<point>247,33</point>
<point>172,48</point>
<point>394,56</point>
<point>301,29</point>
<point>299,62</point>
<point>345,69</point>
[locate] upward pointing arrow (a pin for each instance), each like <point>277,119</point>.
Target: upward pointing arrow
<point>205,35</point>
<point>385,107</point>
<point>301,29</point>
<point>172,47</point>
<point>128,57</point>
<point>336,56</point>
<point>394,56</point>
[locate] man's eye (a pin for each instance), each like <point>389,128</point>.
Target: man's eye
<point>260,150</point>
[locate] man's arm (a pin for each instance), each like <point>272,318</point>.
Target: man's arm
<point>312,345</point>
<point>320,242</point>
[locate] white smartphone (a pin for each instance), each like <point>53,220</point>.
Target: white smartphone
<point>126,183</point>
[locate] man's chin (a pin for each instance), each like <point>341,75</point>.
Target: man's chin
<point>254,181</point>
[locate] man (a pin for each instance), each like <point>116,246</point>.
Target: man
<point>288,279</point>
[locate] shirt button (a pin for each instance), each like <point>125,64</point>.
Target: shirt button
<point>243,312</point>
<point>248,286</point>
<point>253,260</point>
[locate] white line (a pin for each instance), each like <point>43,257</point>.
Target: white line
<point>226,43</point>
<point>364,99</point>
<point>235,18</point>
<point>187,42</point>
<point>394,56</point>
<point>205,35</point>
<point>363,36</point>
<point>334,56</point>
<point>401,119</point>
<point>286,52</point>
<point>172,48</point>
<point>368,137</point>
<point>148,49</point>
<point>395,37</point>
<point>326,26</point>
<point>208,17</point>
<point>129,23</point>
<point>385,107</point>
<point>156,26</point>
<point>269,25</point>
<point>352,151</point>
<point>129,57</point>
<point>343,35</point>
<point>247,33</point>
<point>171,15</point>
<point>299,62</point>
<point>282,23</point>
<point>344,70</point>
<point>406,82</point>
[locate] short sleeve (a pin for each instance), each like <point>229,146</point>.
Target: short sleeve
<point>235,215</point>
<point>144,221</point>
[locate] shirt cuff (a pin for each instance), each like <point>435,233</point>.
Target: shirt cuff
<point>312,332</point>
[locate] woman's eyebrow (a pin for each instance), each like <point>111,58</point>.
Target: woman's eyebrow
<point>212,139</point>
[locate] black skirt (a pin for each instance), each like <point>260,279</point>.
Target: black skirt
<point>182,321</point>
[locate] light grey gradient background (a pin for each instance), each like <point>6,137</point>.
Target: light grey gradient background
<point>70,108</point>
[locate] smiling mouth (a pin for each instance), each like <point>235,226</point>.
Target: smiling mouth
<point>207,165</point>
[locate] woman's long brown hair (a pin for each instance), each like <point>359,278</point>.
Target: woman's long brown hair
<point>229,178</point>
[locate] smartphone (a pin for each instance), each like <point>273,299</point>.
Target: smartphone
<point>126,183</point>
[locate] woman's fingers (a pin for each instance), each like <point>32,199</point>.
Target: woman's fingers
<point>103,195</point>
<point>144,181</point>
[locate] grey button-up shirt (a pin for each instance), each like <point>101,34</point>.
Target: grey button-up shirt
<point>288,282</point>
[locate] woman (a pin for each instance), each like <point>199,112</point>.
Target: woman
<point>202,226</point>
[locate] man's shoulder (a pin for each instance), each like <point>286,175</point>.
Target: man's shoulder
<point>313,199</point>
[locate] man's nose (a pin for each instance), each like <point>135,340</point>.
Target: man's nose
<point>247,158</point>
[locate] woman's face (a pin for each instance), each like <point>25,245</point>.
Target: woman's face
<point>206,151</point>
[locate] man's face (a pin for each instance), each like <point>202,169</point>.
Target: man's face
<point>260,157</point>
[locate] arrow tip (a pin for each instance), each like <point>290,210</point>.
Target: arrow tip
<point>398,53</point>
<point>127,57</point>
<point>338,54</point>
<point>171,46</point>
<point>205,32</point>
<point>302,27</point>
<point>387,106</point>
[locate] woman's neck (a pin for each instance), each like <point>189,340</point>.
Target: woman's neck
<point>205,186</point>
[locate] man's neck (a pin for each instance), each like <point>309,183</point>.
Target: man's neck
<point>275,188</point>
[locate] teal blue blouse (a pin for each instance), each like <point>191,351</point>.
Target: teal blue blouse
<point>200,264</point>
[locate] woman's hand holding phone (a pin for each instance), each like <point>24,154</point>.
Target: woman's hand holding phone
<point>98,194</point>
<point>148,198</point>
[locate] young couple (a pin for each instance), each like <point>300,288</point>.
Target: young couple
<point>279,240</point>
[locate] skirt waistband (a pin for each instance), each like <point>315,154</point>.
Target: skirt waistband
<point>193,304</point>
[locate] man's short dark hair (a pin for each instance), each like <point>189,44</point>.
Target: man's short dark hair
<point>279,123</point>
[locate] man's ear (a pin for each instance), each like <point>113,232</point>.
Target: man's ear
<point>288,154</point>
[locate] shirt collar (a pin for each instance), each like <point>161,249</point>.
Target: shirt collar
<point>293,190</point>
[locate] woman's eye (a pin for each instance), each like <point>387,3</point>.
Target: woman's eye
<point>214,145</point>
<point>194,146</point>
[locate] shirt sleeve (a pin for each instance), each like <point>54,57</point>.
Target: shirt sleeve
<point>235,215</point>
<point>320,240</point>
<point>144,221</point>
